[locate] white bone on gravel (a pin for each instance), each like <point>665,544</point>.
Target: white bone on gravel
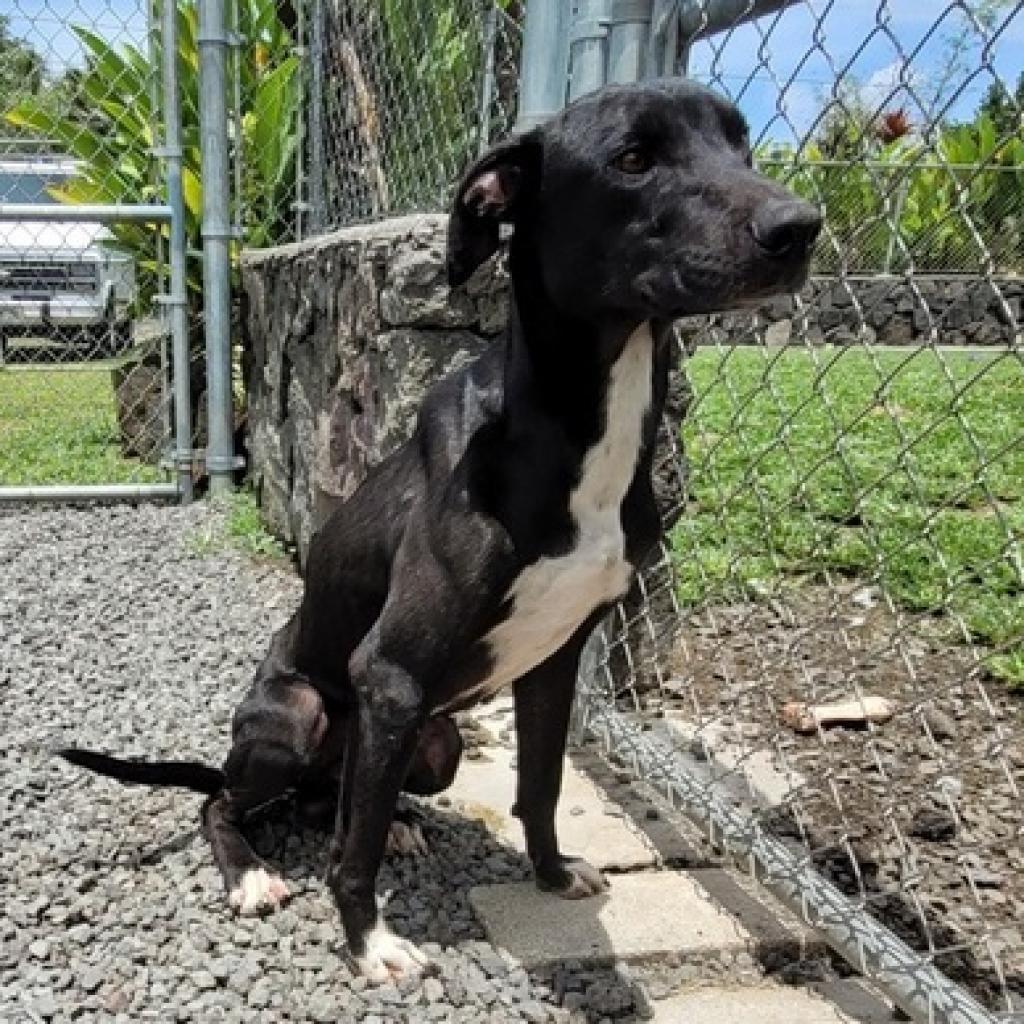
<point>807,718</point>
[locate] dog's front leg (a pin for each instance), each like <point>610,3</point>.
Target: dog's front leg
<point>543,700</point>
<point>390,716</point>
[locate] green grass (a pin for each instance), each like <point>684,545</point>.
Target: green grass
<point>242,527</point>
<point>58,426</point>
<point>902,467</point>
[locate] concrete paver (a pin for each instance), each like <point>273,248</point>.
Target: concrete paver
<point>762,1003</point>
<point>643,916</point>
<point>705,915</point>
<point>485,789</point>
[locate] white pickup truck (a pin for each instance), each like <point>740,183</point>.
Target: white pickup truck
<point>60,281</point>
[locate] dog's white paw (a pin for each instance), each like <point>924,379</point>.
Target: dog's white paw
<point>258,890</point>
<point>406,839</point>
<point>389,957</point>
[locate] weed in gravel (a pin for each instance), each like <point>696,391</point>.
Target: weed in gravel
<point>241,526</point>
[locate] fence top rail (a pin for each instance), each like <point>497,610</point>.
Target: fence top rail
<point>115,213</point>
<point>885,165</point>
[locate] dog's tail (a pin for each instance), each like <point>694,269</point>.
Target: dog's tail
<point>185,774</point>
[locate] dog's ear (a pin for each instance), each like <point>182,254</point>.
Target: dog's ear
<point>492,192</point>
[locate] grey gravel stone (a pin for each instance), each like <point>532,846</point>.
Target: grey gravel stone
<point>940,724</point>
<point>124,631</point>
<point>433,990</point>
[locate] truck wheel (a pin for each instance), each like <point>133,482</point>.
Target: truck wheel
<point>121,335</point>
<point>103,340</point>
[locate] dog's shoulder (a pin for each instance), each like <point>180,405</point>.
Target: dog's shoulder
<point>468,395</point>
<point>454,410</point>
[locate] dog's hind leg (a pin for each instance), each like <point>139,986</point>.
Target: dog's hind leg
<point>433,768</point>
<point>251,884</point>
<point>277,730</point>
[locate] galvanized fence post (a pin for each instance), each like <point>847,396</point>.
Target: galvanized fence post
<point>217,235</point>
<point>487,84</point>
<point>542,75</point>
<point>177,299</point>
<point>628,40</point>
<point>315,102</point>
<point>588,58</point>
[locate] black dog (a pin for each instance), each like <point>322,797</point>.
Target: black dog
<point>483,552</point>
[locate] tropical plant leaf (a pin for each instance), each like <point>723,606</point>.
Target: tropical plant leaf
<point>273,109</point>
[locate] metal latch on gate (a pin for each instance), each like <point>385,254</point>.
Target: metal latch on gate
<point>623,12</point>
<point>592,28</point>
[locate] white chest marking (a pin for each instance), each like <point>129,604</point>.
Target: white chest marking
<point>552,597</point>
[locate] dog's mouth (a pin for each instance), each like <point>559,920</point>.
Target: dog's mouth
<point>708,286</point>
<point>743,257</point>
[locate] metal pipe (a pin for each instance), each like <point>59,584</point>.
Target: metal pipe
<point>238,163</point>
<point>628,40</point>
<point>217,235</point>
<point>177,299</point>
<point>544,64</point>
<point>487,84</point>
<point>588,33</point>
<point>701,18</point>
<point>154,33</point>
<point>665,56</point>
<point>800,163</point>
<point>318,213</point>
<point>917,986</point>
<point>114,213</point>
<point>90,492</point>
<point>301,50</point>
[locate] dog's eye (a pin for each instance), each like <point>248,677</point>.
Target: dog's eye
<point>633,161</point>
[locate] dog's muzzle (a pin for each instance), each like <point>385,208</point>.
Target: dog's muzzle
<point>786,228</point>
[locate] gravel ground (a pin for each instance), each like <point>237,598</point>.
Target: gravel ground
<point>119,632</point>
<point>920,817</point>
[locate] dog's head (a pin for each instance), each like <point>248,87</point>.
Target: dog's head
<point>637,201</point>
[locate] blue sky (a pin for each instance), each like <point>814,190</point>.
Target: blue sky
<point>46,24</point>
<point>781,69</point>
<point>773,67</point>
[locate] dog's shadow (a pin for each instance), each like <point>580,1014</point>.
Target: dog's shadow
<point>427,900</point>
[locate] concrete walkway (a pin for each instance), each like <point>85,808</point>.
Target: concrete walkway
<point>702,940</point>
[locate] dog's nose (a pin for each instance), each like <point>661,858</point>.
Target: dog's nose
<point>781,226</point>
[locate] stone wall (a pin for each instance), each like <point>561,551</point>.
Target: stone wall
<point>890,311</point>
<point>342,335</point>
<point>344,332</point>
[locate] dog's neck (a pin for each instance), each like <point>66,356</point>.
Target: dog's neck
<point>557,367</point>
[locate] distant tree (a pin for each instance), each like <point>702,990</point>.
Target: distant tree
<point>959,44</point>
<point>22,69</point>
<point>1003,108</point>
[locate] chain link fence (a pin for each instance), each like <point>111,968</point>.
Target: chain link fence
<point>268,77</point>
<point>401,95</point>
<point>825,663</point>
<point>85,369</point>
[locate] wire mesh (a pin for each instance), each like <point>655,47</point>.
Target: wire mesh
<point>85,376</point>
<point>831,639</point>
<point>402,94</point>
<point>268,84</point>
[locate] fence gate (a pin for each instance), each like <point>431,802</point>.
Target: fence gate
<point>98,297</point>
